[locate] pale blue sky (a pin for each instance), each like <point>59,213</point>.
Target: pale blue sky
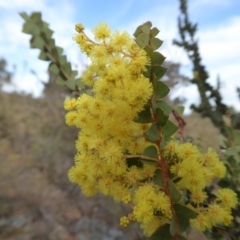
<point>218,24</point>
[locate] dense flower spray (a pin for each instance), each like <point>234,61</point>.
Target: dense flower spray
<point>111,145</point>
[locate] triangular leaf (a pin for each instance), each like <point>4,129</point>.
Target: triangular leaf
<point>152,133</point>
<point>27,27</point>
<point>184,214</point>
<point>62,59</point>
<point>54,69</point>
<point>60,81</point>
<point>70,84</point>
<point>161,117</point>
<point>144,116</point>
<point>175,194</point>
<point>37,42</point>
<point>156,43</point>
<point>167,109</point>
<point>145,29</point>
<point>148,23</point>
<point>142,40</point>
<point>180,110</point>
<point>157,58</point>
<point>169,129</point>
<point>149,51</point>
<point>67,68</point>
<point>24,16</point>
<point>36,17</point>
<point>137,31</point>
<point>79,82</point>
<point>43,56</point>
<point>147,73</point>
<point>158,178</point>
<point>173,228</point>
<point>154,32</point>
<point>159,71</point>
<point>162,233</point>
<point>161,89</point>
<point>151,151</point>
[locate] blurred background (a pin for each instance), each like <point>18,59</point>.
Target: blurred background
<point>37,148</point>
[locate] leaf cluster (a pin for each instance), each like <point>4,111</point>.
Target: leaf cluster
<point>158,110</point>
<point>42,40</point>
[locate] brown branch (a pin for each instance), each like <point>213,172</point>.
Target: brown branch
<point>181,123</point>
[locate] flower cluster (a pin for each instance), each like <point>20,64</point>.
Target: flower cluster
<point>195,171</point>
<point>109,140</point>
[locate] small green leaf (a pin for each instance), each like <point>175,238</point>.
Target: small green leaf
<point>70,84</point>
<point>51,43</point>
<point>36,17</point>
<point>24,16</point>
<point>79,83</point>
<point>149,51</point>
<point>152,133</point>
<point>161,89</point>
<point>27,27</point>
<point>154,103</point>
<point>88,91</point>
<point>161,117</point>
<point>74,74</point>
<point>148,23</point>
<point>169,129</point>
<point>62,59</point>
<point>233,151</point>
<point>75,94</point>
<point>159,71</point>
<point>162,233</point>
<point>37,42</point>
<point>51,57</point>
<point>60,81</point>
<point>36,32</point>
<point>157,58</point>
<point>175,194</point>
<point>147,73</point>
<point>144,116</point>
<point>67,68</point>
<point>173,229</point>
<point>236,139</point>
<point>48,32</point>
<point>54,52</point>
<point>151,151</point>
<point>138,31</point>
<point>158,178</point>
<point>184,214</point>
<point>154,32</point>
<point>142,40</point>
<point>54,69</point>
<point>180,110</point>
<point>43,56</point>
<point>156,43</point>
<point>145,29</point>
<point>167,109</point>
<point>59,50</point>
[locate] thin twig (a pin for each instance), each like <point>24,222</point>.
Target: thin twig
<point>181,123</point>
